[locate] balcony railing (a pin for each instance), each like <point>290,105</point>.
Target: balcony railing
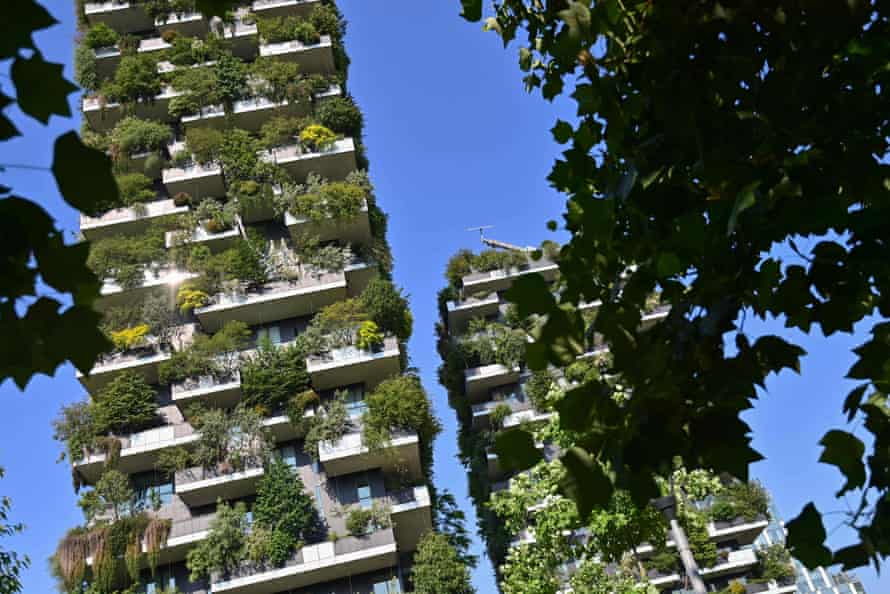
<point>350,454</point>
<point>312,564</point>
<point>202,486</point>
<point>317,58</point>
<point>127,219</point>
<point>496,280</point>
<point>348,364</point>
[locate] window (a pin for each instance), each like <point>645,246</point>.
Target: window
<point>150,492</point>
<point>289,455</point>
<point>161,583</point>
<point>363,492</point>
<point>273,333</point>
<point>390,586</point>
<point>318,500</point>
<point>355,400</point>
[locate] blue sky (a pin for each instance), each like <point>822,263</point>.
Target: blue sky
<point>454,142</point>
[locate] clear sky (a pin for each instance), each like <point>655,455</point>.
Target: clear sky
<point>454,142</point>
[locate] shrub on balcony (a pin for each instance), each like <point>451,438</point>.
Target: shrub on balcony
<point>278,30</point>
<point>238,155</point>
<point>328,257</point>
<point>75,428</point>
<point>187,51</point>
<point>128,404</point>
<point>499,414</point>
<point>198,90</point>
<point>338,322</point>
<point>280,81</point>
<point>225,545</point>
<point>173,460</point>
<point>229,441</point>
<point>272,375</point>
<point>774,564</point>
<point>316,137</point>
<point>124,259</point>
<point>341,115</point>
<point>388,307</point>
<point>319,200</point>
<point>231,79</point>
<point>438,569</point>
<point>213,215</point>
<point>492,342</point>
<point>330,423</point>
<point>284,509</point>
<point>216,355</point>
<point>154,311</point>
<point>100,36</point>
<point>358,521</point>
<point>280,131</point>
<point>85,73</point>
<point>135,189</point>
<point>189,298</point>
<point>204,143</point>
<point>369,336</point>
<point>298,405</point>
<point>398,404</point>
<point>130,337</point>
<point>749,501</point>
<point>136,79</point>
<point>327,21</point>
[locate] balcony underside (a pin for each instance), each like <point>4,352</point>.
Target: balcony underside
<point>205,491</point>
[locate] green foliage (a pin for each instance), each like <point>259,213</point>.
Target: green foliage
<point>280,131</point>
<point>225,545</point>
<point>341,115</point>
<point>280,29</point>
<point>320,200</point>
<point>438,569</point>
<point>775,564</point>
<point>330,423</point>
<point>499,413</point>
<point>124,258</point>
<point>127,404</point>
<point>704,551</point>
<point>369,336</point>
<point>85,73</point>
<point>75,428</point>
<point>398,404</point>
<point>317,138</point>
<point>112,493</point>
<point>11,563</point>
<point>749,501</point>
<point>736,159</point>
<point>238,155</point>
<point>136,79</point>
<point>188,299</point>
<point>465,262</point>
<point>132,135</point>
<point>135,189</point>
<point>216,355</point>
<point>204,143</point>
<point>198,90</point>
<point>231,79</point>
<point>100,36</point>
<point>230,441</point>
<point>493,342</point>
<point>591,576</point>
<point>359,521</point>
<point>129,338</point>
<point>273,375</point>
<point>187,51</point>
<point>526,571</point>
<point>388,307</point>
<point>173,460</point>
<point>281,81</point>
<point>284,509</point>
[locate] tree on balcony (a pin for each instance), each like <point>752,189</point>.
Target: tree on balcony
<point>399,404</point>
<point>225,547</point>
<point>216,355</point>
<point>285,514</point>
<point>229,441</point>
<point>272,375</point>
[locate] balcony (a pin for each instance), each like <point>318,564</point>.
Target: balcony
<point>461,312</point>
<point>123,17</point>
<point>103,116</point>
<point>354,230</point>
<point>315,564</point>
<point>281,428</point>
<point>199,486</point>
<point>499,280</point>
<point>313,59</point>
<point>189,24</point>
<point>184,534</point>
<point>333,163</point>
<point>215,242</point>
<point>350,454</point>
<point>740,530</point>
<point>139,451</point>
<point>527,416</point>
<point>129,220</point>
<point>217,391</point>
<point>143,360</point>
<point>734,562</point>
<point>243,38</point>
<point>275,300</point>
<point>411,515</point>
<point>482,411</point>
<point>199,180</point>
<point>248,114</point>
<point>347,365</point>
<point>280,8</point>
<point>108,58</point>
<point>156,281</point>
<point>358,275</point>
<point>478,381</point>
<point>498,473</point>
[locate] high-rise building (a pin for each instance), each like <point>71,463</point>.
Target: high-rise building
<point>240,437</point>
<point>534,536</point>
